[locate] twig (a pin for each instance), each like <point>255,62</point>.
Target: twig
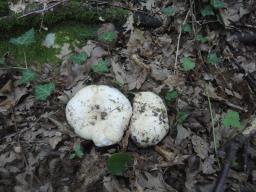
<point>7,68</point>
<point>232,149</point>
<point>178,44</point>
<point>213,127</point>
<point>43,10</point>
<point>25,59</point>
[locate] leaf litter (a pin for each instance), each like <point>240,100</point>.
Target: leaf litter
<point>215,65</point>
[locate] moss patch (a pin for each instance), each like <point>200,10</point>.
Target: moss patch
<point>73,33</point>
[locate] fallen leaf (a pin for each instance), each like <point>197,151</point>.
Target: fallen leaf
<point>134,77</point>
<point>149,4</point>
<point>8,157</point>
<point>54,141</point>
<point>7,88</point>
<point>49,40</point>
<point>153,183</point>
<point>128,26</point>
<point>158,72</point>
<point>236,10</point>
<point>182,134</point>
<point>207,165</point>
<point>18,7</point>
<point>111,184</point>
<point>200,146</point>
<point>140,43</point>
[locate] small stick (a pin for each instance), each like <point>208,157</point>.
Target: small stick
<point>178,44</point>
<point>232,149</point>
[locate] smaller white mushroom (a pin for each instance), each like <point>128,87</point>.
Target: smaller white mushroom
<point>149,122</point>
<point>99,113</point>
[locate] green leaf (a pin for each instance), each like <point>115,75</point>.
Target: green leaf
<point>212,58</point>
<point>72,156</point>
<point>171,95</point>
<point>79,58</point>
<point>100,67</point>
<point>25,39</point>
<point>78,152</point>
<point>1,61</point>
<point>169,11</point>
<point>201,38</point>
<point>231,119</point>
<point>108,36</point>
<point>118,163</point>
<point>217,4</point>
<point>117,83</point>
<point>181,116</point>
<point>186,28</point>
<point>207,11</point>
<point>43,91</point>
<point>27,76</point>
<point>188,64</point>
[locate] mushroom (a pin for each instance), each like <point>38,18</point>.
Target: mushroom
<point>99,113</point>
<point>149,122</point>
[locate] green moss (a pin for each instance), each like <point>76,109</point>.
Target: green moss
<point>35,53</point>
<point>4,9</point>
<point>72,11</point>
<point>73,33</point>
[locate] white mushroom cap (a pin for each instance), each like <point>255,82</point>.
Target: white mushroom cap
<point>99,113</point>
<point>149,122</point>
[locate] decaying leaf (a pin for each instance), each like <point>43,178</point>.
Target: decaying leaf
<point>182,134</point>
<point>134,76</point>
<point>129,23</point>
<point>18,7</point>
<point>153,182</point>
<point>149,4</point>
<point>200,146</point>
<point>236,10</point>
<point>8,157</point>
<point>111,184</point>
<point>207,166</point>
<point>140,43</point>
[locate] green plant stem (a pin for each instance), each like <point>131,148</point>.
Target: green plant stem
<point>213,127</point>
<point>25,59</point>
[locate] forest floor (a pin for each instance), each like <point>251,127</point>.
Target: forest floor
<point>198,56</point>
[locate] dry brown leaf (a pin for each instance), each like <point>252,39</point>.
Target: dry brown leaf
<point>236,10</point>
<point>134,77</point>
<point>182,134</point>
<point>207,165</point>
<point>152,183</point>
<point>129,23</point>
<point>111,184</point>
<point>7,88</point>
<point>140,43</point>
<point>8,157</point>
<point>158,72</point>
<point>200,146</point>
<point>54,141</point>
<point>167,155</point>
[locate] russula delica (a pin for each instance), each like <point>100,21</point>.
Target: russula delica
<point>99,113</point>
<point>149,122</point>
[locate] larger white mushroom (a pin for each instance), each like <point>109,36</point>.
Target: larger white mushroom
<point>99,113</point>
<point>149,122</point>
